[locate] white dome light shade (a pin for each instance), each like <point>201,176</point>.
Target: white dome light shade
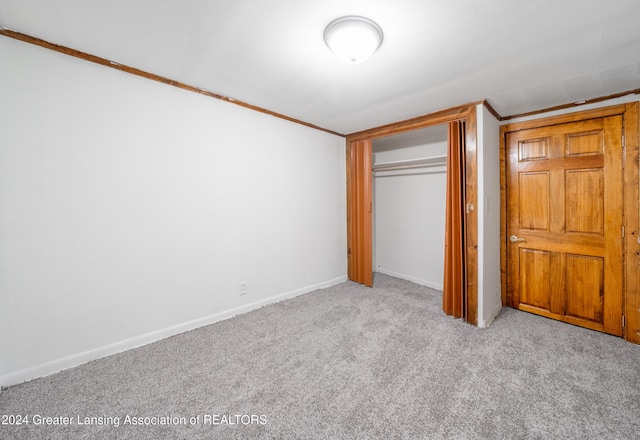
<point>353,39</point>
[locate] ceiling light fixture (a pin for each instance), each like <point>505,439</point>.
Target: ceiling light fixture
<point>353,39</point>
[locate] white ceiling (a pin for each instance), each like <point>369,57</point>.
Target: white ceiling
<point>520,55</point>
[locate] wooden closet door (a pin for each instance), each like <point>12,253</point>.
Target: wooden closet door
<point>565,217</point>
<point>359,207</point>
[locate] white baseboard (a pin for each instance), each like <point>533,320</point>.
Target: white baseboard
<point>431,284</point>
<point>14,378</point>
<point>484,323</point>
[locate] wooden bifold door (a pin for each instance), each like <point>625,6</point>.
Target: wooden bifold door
<point>565,222</point>
<point>359,211</point>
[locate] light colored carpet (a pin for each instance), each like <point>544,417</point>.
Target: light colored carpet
<point>351,362</point>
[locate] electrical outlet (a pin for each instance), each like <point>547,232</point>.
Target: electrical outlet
<point>243,288</point>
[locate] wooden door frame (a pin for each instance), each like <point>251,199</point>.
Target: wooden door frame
<point>468,114</point>
<point>631,219</point>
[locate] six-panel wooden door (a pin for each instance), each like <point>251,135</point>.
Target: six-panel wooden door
<point>564,223</point>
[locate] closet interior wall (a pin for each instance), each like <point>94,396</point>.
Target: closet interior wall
<point>409,205</point>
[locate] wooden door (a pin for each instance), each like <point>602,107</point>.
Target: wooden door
<point>564,222</point>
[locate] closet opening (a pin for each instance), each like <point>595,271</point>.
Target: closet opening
<point>407,151</point>
<point>409,201</point>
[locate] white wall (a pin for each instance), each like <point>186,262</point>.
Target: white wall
<point>488,156</point>
<point>131,210</point>
<point>409,214</point>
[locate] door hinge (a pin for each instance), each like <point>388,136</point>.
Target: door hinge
<point>622,231</point>
<point>624,321</point>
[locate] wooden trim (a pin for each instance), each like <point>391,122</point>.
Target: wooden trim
<point>571,105</point>
<point>631,252</point>
<point>492,110</point>
<point>428,120</point>
<point>563,119</point>
<point>471,226</point>
<point>133,71</point>
<point>631,331</point>
<point>503,214</point>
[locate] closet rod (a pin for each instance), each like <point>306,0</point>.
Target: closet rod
<point>413,163</point>
<point>409,172</point>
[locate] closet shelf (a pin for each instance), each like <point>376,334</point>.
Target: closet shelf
<point>413,163</point>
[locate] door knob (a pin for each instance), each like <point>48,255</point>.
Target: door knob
<point>515,239</point>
